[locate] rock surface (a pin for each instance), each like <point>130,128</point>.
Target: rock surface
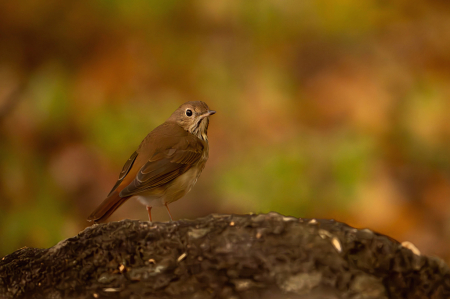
<point>224,256</point>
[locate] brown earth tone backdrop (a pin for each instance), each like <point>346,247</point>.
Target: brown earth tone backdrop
<point>324,110</point>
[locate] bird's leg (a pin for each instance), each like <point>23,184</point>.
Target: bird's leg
<point>170,215</point>
<point>149,210</point>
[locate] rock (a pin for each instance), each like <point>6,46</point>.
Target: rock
<point>224,256</point>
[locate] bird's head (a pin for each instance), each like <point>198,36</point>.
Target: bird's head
<point>193,117</point>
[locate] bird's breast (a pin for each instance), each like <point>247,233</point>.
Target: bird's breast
<point>183,184</point>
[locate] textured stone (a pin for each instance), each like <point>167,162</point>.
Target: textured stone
<point>224,256</point>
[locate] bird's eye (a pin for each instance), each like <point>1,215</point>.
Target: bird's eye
<point>188,112</point>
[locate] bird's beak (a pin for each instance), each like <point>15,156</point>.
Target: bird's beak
<point>208,113</point>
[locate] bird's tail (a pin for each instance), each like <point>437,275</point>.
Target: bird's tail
<point>107,207</point>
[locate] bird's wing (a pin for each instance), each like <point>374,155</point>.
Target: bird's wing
<point>166,164</point>
<point>126,168</point>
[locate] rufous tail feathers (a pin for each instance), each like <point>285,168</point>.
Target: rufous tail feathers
<point>107,207</point>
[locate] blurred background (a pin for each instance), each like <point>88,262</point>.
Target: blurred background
<point>324,109</point>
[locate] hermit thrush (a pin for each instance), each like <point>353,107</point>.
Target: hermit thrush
<point>166,165</point>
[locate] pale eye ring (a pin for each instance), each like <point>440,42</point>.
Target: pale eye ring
<point>189,112</point>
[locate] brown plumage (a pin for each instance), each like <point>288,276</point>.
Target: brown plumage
<point>167,163</point>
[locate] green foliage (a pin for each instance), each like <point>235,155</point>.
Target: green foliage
<point>295,176</point>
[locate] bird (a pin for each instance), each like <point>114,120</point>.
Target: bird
<point>166,164</point>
